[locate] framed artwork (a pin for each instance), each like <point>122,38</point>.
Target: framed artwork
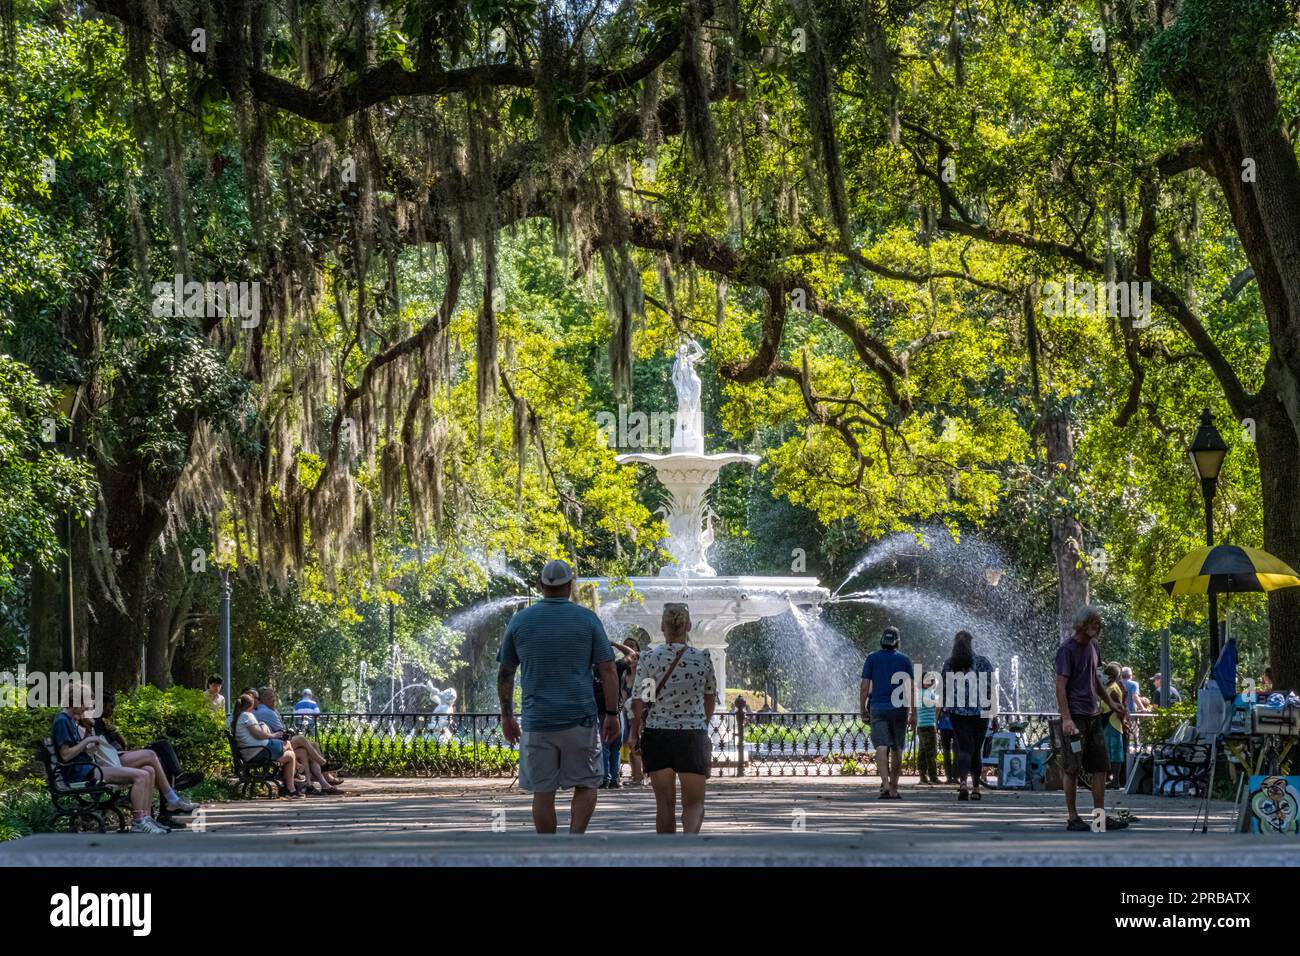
<point>1013,770</point>
<point>996,744</point>
<point>1272,805</point>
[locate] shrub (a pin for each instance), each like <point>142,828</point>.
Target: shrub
<point>184,717</point>
<point>24,811</point>
<point>1166,720</point>
<point>817,731</point>
<point>381,756</point>
<point>143,715</point>
<point>20,729</point>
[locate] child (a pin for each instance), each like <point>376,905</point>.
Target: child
<point>927,743</point>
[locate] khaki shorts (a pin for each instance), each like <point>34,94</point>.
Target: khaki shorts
<point>551,760</point>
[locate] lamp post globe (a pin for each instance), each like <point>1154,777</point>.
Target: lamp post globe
<point>1207,452</point>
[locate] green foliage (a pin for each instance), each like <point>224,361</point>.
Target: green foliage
<point>398,757</point>
<point>1166,720</point>
<point>24,811</point>
<point>144,715</point>
<point>813,732</point>
<point>184,717</point>
<point>39,484</point>
<point>918,398</point>
<point>20,730</point>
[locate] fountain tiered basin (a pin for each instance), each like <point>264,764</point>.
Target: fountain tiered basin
<point>717,603</point>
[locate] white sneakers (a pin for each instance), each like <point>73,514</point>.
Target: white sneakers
<point>148,825</point>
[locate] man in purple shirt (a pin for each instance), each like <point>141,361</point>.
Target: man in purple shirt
<point>1078,692</point>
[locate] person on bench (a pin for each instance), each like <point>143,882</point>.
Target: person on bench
<point>77,752</point>
<point>177,776</point>
<point>306,752</point>
<point>252,737</point>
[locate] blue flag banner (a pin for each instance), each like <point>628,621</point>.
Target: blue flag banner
<point>1225,670</point>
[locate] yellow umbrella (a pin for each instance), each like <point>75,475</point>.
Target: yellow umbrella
<point>1229,568</point>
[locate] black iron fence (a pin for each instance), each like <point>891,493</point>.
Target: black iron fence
<point>755,745</point>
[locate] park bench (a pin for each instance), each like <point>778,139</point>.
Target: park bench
<point>252,772</point>
<point>89,799</point>
<point>1183,768</point>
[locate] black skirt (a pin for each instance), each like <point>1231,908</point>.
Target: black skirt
<point>683,751</point>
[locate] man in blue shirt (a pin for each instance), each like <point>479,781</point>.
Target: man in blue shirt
<point>557,643</point>
<point>1132,693</point>
<point>887,685</point>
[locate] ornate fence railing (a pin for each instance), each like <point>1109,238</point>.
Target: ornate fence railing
<point>757,745</point>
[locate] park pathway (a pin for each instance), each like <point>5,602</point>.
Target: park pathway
<point>748,822</point>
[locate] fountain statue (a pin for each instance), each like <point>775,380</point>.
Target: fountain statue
<point>688,435</point>
<point>717,604</point>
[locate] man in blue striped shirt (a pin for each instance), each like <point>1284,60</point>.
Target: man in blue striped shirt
<point>557,643</point>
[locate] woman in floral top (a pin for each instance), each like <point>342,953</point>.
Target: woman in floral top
<point>676,692</point>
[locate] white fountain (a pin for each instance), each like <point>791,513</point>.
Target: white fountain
<point>717,604</point>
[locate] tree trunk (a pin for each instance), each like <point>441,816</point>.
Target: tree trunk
<point>1279,474</point>
<point>171,607</point>
<point>134,519</point>
<point>1066,531</point>
<point>1266,214</point>
<point>45,621</point>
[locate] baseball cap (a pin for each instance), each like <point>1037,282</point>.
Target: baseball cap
<point>889,637</point>
<point>556,572</point>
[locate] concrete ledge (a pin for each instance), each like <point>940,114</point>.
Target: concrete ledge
<point>791,849</point>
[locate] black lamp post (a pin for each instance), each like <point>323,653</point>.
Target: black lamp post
<point>1207,452</point>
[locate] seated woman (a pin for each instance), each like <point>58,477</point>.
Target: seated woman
<point>251,736</point>
<point>77,751</point>
<point>311,762</point>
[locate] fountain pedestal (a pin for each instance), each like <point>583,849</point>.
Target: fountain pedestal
<point>687,478</point>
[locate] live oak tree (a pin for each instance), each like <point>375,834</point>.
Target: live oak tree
<point>856,206</point>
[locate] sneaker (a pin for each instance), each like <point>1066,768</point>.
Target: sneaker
<point>148,825</point>
<point>182,806</point>
<point>1077,825</point>
<point>165,819</point>
<point>616,785</point>
<point>293,795</point>
<point>1115,823</point>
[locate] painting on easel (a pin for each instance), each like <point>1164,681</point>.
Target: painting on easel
<point>1273,805</point>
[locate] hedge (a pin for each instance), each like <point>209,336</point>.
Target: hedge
<point>143,715</point>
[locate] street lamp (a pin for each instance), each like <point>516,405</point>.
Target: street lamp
<point>1207,452</point>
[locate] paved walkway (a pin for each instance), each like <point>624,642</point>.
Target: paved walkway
<point>748,822</point>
